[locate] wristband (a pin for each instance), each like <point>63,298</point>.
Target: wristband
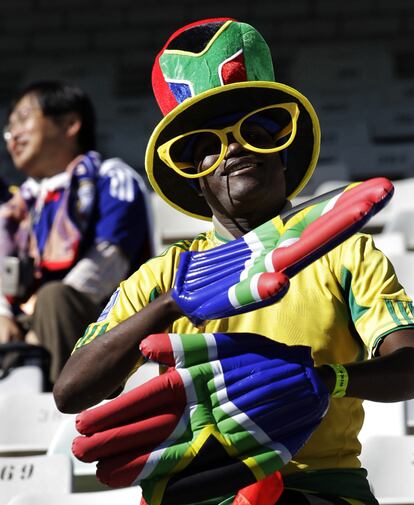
<point>342,380</point>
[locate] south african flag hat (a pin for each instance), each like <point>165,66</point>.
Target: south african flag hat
<point>220,67</point>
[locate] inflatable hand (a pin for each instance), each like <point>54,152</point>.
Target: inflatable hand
<point>254,271</point>
<point>233,409</point>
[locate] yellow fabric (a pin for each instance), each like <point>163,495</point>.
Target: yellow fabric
<point>341,305</point>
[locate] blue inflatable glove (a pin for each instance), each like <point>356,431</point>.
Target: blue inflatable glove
<point>233,409</point>
<point>254,270</point>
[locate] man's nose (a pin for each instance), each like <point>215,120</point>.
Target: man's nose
<point>234,147</point>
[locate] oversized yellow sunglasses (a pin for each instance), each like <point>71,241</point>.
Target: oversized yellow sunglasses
<point>172,150</point>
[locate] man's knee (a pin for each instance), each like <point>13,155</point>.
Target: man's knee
<point>62,302</point>
<point>53,294</point>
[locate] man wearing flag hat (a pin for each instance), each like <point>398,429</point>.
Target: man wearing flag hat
<point>274,325</point>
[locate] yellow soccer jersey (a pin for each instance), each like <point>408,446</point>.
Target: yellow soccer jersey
<point>342,306</point>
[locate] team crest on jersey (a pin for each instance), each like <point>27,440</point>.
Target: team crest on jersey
<point>109,305</point>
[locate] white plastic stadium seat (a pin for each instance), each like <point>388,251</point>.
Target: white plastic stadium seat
<point>61,443</point>
<point>27,423</point>
<point>41,474</point>
<point>23,379</point>
<point>382,419</point>
<point>172,225</point>
<point>125,496</point>
<point>402,221</point>
<point>390,464</point>
<point>401,202</point>
<point>404,268</point>
<point>390,242</point>
<point>84,473</point>
<point>403,197</point>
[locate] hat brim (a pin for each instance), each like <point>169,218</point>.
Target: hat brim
<point>232,98</point>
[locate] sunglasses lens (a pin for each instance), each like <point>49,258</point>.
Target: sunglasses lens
<point>257,135</point>
<point>196,148</point>
<point>262,129</point>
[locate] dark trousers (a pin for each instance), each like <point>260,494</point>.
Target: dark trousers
<point>60,318</point>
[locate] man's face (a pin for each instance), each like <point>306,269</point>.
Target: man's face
<point>34,139</point>
<point>245,184</point>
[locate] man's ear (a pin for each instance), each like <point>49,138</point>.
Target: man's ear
<point>72,124</point>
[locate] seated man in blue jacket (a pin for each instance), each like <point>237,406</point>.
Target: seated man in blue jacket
<point>74,229</point>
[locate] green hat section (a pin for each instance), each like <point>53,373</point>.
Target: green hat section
<point>214,69</point>
<point>202,69</point>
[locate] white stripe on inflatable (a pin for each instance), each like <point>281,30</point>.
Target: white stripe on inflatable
<point>177,348</point>
<point>331,204</point>
<point>254,287</point>
<point>288,242</point>
<point>211,346</point>
<point>231,293</point>
<point>269,262</point>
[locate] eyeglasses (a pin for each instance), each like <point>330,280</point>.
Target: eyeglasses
<point>20,118</point>
<point>248,132</point>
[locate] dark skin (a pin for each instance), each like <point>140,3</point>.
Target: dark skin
<point>243,179</point>
<point>245,190</point>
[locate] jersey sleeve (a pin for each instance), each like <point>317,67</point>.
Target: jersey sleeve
<point>378,303</point>
<point>122,211</point>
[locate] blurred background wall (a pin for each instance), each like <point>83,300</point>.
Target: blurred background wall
<point>354,60</point>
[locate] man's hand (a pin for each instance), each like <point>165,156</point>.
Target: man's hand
<point>9,330</point>
<point>254,271</point>
<point>231,410</point>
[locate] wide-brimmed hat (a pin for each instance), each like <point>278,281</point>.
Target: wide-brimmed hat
<point>218,68</point>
